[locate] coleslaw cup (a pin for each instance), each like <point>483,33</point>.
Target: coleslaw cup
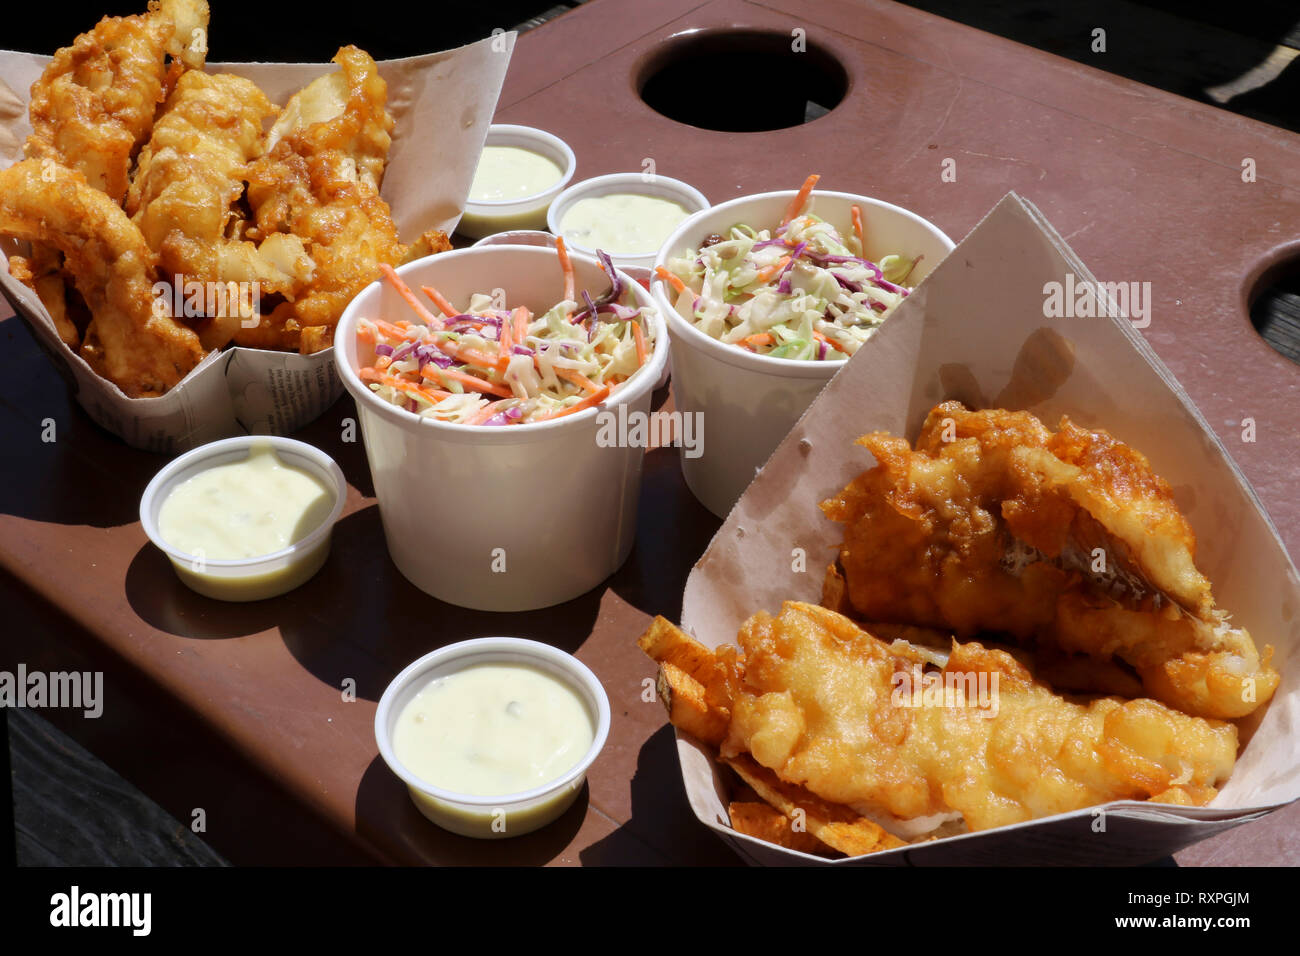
<point>507,517</point>
<point>503,815</point>
<point>748,402</point>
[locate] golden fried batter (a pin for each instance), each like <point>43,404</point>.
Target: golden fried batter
<point>132,339</point>
<point>319,180</point>
<point>94,104</point>
<point>825,706</point>
<point>187,184</point>
<point>1068,539</point>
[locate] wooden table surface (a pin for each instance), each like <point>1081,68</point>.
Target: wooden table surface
<point>237,710</point>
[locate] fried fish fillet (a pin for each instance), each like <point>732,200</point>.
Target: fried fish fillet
<point>184,196</point>
<point>1064,539</point>
<point>93,106</point>
<point>822,705</point>
<point>319,180</point>
<point>132,339</point>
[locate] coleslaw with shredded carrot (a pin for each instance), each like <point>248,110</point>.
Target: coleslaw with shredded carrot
<point>800,291</point>
<point>490,365</point>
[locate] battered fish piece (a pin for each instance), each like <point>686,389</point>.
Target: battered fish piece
<point>93,106</point>
<point>188,183</point>
<point>1063,539</point>
<point>319,180</point>
<point>132,339</point>
<point>829,707</point>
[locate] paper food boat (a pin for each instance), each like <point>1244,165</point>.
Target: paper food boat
<point>975,331</point>
<point>442,105</point>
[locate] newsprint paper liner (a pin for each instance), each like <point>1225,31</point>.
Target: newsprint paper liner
<point>442,105</point>
<point>975,331</point>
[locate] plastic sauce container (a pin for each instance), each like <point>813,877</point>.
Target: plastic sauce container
<point>637,208</point>
<point>256,576</point>
<point>483,217</point>
<point>493,816</point>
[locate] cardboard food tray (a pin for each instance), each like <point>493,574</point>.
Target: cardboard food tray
<point>976,331</point>
<point>442,105</point>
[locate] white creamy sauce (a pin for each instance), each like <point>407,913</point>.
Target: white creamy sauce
<point>511,172</point>
<point>493,729</point>
<point>626,223</point>
<point>244,509</point>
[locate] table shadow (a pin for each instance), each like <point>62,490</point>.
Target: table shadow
<point>673,529</point>
<point>358,619</point>
<point>405,834</point>
<point>661,817</point>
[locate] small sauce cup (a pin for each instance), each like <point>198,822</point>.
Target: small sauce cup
<point>504,815</point>
<point>262,576</point>
<point>654,186</point>
<point>483,217</point>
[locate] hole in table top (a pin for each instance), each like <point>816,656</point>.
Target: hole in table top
<point>741,80</point>
<point>1275,306</point>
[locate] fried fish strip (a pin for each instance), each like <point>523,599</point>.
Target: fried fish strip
<point>132,340</point>
<point>319,180</point>
<point>93,105</point>
<point>994,523</point>
<point>184,195</point>
<point>820,707</point>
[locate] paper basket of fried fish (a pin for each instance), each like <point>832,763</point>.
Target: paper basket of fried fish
<point>1001,596</point>
<point>170,224</point>
<point>1015,627</point>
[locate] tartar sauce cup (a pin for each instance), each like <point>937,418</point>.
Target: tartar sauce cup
<point>749,402</point>
<point>639,184</point>
<point>262,576</point>
<point>503,815</point>
<point>506,517</point>
<point>483,217</point>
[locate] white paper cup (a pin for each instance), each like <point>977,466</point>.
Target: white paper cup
<point>510,517</point>
<point>749,402</point>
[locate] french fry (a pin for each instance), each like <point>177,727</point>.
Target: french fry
<point>837,826</point>
<point>664,641</point>
<point>767,823</point>
<point>688,708</point>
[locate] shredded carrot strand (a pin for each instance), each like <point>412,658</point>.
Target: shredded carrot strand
<point>831,342</point>
<point>588,402</point>
<point>857,229</point>
<point>405,292</point>
<point>567,267</point>
<point>522,318</point>
<point>638,334</point>
<point>439,300</point>
<point>801,198</point>
<point>578,379</point>
<point>671,279</point>
<point>436,374</point>
<point>486,412</point>
<point>767,272</point>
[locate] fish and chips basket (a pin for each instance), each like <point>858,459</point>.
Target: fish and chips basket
<point>442,105</point>
<point>977,331</point>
